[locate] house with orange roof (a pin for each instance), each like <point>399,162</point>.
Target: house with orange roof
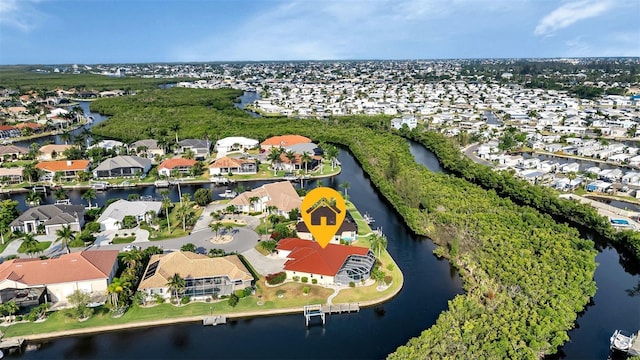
<point>280,195</point>
<point>335,264</point>
<point>7,132</point>
<point>57,278</point>
<point>68,169</point>
<point>204,276</point>
<point>171,166</point>
<point>283,141</point>
<point>228,165</point>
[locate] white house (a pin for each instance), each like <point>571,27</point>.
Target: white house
<point>113,216</point>
<point>234,143</point>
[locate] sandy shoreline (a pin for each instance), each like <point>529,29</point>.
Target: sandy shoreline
<point>188,319</point>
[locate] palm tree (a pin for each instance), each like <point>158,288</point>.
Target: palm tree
<point>253,200</point>
<point>306,159</point>
<point>33,198</point>
<point>166,204</point>
<point>189,154</point>
<point>269,245</point>
<point>66,137</point>
<point>30,243</point>
<point>290,155</point>
<point>89,195</point>
<point>113,292</point>
<point>65,235</point>
<point>60,194</point>
<point>332,154</point>
<point>132,259</point>
<point>176,285</point>
<point>184,212</point>
<point>345,186</point>
<point>216,227</point>
<point>378,243</point>
<point>11,308</point>
<point>274,158</point>
<point>227,228</point>
<point>175,128</point>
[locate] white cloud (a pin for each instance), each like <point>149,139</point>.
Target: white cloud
<point>570,13</point>
<point>20,14</point>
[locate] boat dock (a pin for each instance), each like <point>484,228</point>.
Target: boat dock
<point>311,311</point>
<point>214,320</point>
<point>11,345</point>
<point>625,343</point>
<point>220,180</point>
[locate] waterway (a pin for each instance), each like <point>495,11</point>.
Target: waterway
<point>370,334</point>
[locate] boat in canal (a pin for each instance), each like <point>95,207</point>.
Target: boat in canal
<point>228,194</point>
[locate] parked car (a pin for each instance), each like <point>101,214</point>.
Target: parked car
<point>131,247</point>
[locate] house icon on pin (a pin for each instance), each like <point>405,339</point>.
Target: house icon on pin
<point>326,211</point>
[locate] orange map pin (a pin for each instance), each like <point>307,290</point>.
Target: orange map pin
<point>323,210</point>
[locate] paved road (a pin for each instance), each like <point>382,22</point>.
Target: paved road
<point>469,151</point>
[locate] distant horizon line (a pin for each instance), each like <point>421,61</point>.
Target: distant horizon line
<point>327,60</point>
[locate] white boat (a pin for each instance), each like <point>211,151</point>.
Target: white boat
<point>368,218</point>
<point>228,194</point>
<point>161,183</point>
<point>63,202</point>
<point>290,176</point>
<point>99,185</point>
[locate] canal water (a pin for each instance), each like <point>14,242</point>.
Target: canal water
<point>370,334</point>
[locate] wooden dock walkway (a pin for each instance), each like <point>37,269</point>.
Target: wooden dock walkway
<point>340,308</point>
<point>11,345</point>
<point>214,320</point>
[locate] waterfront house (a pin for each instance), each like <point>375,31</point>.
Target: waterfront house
<point>334,264</point>
<point>573,167</point>
<point>112,218</point>
<point>12,152</point>
<point>121,166</point>
<point>87,271</point>
<point>281,195</point>
<point>147,147</point>
<point>199,147</point>
<point>233,144</point>
<point>11,175</point>
<point>228,165</point>
<point>283,141</point>
<point>410,121</point>
<point>347,232</point>
<point>175,166</point>
<point>108,145</point>
<point>611,175</point>
<point>67,169</point>
<point>204,276</point>
<point>52,151</point>
<point>598,186</point>
<point>7,132</point>
<point>49,218</point>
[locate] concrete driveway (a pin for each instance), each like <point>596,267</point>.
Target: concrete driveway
<point>264,265</point>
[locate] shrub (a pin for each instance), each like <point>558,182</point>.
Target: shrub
<point>19,318</point>
<point>239,294</point>
<point>280,293</point>
<point>296,278</point>
<point>388,279</point>
<point>305,290</point>
<point>158,299</point>
<point>233,300</point>
<point>185,300</point>
<point>314,281</point>
<point>352,284</point>
<point>208,299</point>
<point>248,291</point>
<point>278,278</point>
<point>305,279</point>
<point>390,267</point>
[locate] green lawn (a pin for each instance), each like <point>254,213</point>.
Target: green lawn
<point>363,227</point>
<point>176,226</point>
<point>123,239</point>
<point>42,246</point>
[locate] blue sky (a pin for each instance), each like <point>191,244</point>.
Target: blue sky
<point>123,31</point>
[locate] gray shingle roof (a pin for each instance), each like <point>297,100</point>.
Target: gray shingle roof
<point>123,162</point>
<point>50,214</point>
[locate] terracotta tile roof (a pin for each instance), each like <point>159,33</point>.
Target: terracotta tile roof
<point>78,266</point>
<point>307,256</point>
<point>228,162</point>
<point>6,128</point>
<point>177,162</point>
<point>63,165</point>
<point>191,266</point>
<point>285,140</point>
<point>281,194</point>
